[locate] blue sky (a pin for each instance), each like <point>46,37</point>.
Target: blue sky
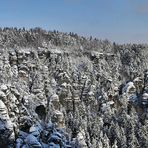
<point>117,20</point>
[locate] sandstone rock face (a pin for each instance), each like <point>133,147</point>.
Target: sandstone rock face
<point>62,90</point>
<point>58,119</point>
<point>6,127</point>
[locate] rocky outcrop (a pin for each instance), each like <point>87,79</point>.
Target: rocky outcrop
<point>63,90</point>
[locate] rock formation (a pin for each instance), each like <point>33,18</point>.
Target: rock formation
<point>63,90</point>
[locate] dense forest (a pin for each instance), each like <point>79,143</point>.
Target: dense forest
<point>63,90</point>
